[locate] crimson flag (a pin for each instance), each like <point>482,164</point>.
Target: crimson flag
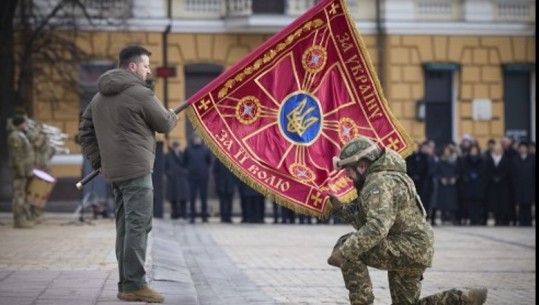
<point>278,116</point>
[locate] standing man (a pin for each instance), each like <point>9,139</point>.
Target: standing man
<point>177,185</point>
<point>249,202</point>
<point>523,178</point>
<point>417,167</point>
<point>197,158</point>
<point>225,183</point>
<point>392,232</point>
<point>117,134</point>
<point>21,164</point>
<point>509,154</point>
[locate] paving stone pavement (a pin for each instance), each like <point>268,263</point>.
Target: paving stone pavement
<point>261,264</point>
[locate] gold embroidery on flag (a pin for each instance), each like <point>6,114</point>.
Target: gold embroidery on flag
<point>314,59</point>
<point>248,110</point>
<point>270,55</point>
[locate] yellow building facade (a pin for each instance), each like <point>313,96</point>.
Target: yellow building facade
<point>480,75</point>
<point>476,61</point>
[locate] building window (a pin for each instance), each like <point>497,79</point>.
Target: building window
<point>108,8</point>
<point>438,9</point>
<point>268,7</point>
<point>514,10</point>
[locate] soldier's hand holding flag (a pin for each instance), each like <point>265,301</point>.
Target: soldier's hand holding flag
<point>336,204</point>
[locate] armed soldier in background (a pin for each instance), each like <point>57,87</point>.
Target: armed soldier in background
<point>21,164</point>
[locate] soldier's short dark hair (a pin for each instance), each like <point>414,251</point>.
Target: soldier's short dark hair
<point>18,120</point>
<point>131,54</point>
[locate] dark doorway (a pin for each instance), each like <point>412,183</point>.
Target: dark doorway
<point>438,105</point>
<point>268,7</point>
<point>89,73</point>
<point>196,77</point>
<point>516,99</point>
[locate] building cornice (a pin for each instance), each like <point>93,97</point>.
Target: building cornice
<point>459,28</point>
<point>273,24</point>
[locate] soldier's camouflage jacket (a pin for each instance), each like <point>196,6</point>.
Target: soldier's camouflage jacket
<point>21,153</point>
<point>388,207</point>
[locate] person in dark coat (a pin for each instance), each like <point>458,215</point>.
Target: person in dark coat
<point>288,216</point>
<point>177,185</point>
<point>225,183</point>
<point>523,178</point>
<point>472,185</point>
<point>249,201</point>
<point>497,173</point>
<point>429,147</point>
<point>260,208</point>
<point>418,168</point>
<point>276,212</point>
<point>117,135</point>
<point>305,219</point>
<point>447,174</point>
<point>510,152</point>
<point>197,158</point>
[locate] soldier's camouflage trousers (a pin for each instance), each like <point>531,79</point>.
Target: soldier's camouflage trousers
<point>19,206</point>
<point>404,277</point>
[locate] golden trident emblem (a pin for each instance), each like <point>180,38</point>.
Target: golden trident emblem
<point>296,118</point>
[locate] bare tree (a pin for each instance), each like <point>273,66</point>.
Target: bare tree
<point>39,54</point>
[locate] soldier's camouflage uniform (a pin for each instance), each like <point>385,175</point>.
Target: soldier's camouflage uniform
<point>391,234</point>
<point>21,164</point>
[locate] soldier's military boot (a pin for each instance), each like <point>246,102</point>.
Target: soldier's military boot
<point>336,259</point>
<point>37,219</point>
<point>141,295</point>
<point>22,223</point>
<point>474,296</point>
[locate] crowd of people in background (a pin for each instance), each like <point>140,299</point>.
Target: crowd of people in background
<point>465,185</point>
<point>459,184</point>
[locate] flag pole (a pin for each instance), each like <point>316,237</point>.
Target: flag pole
<point>96,172</point>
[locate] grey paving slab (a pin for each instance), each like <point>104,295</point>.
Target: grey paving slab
<point>216,278</point>
<point>287,263</point>
<point>170,274</point>
<point>241,264</point>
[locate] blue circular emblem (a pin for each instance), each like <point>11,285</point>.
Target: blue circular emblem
<point>300,118</point>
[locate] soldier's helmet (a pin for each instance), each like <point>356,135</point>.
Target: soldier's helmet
<point>355,150</point>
